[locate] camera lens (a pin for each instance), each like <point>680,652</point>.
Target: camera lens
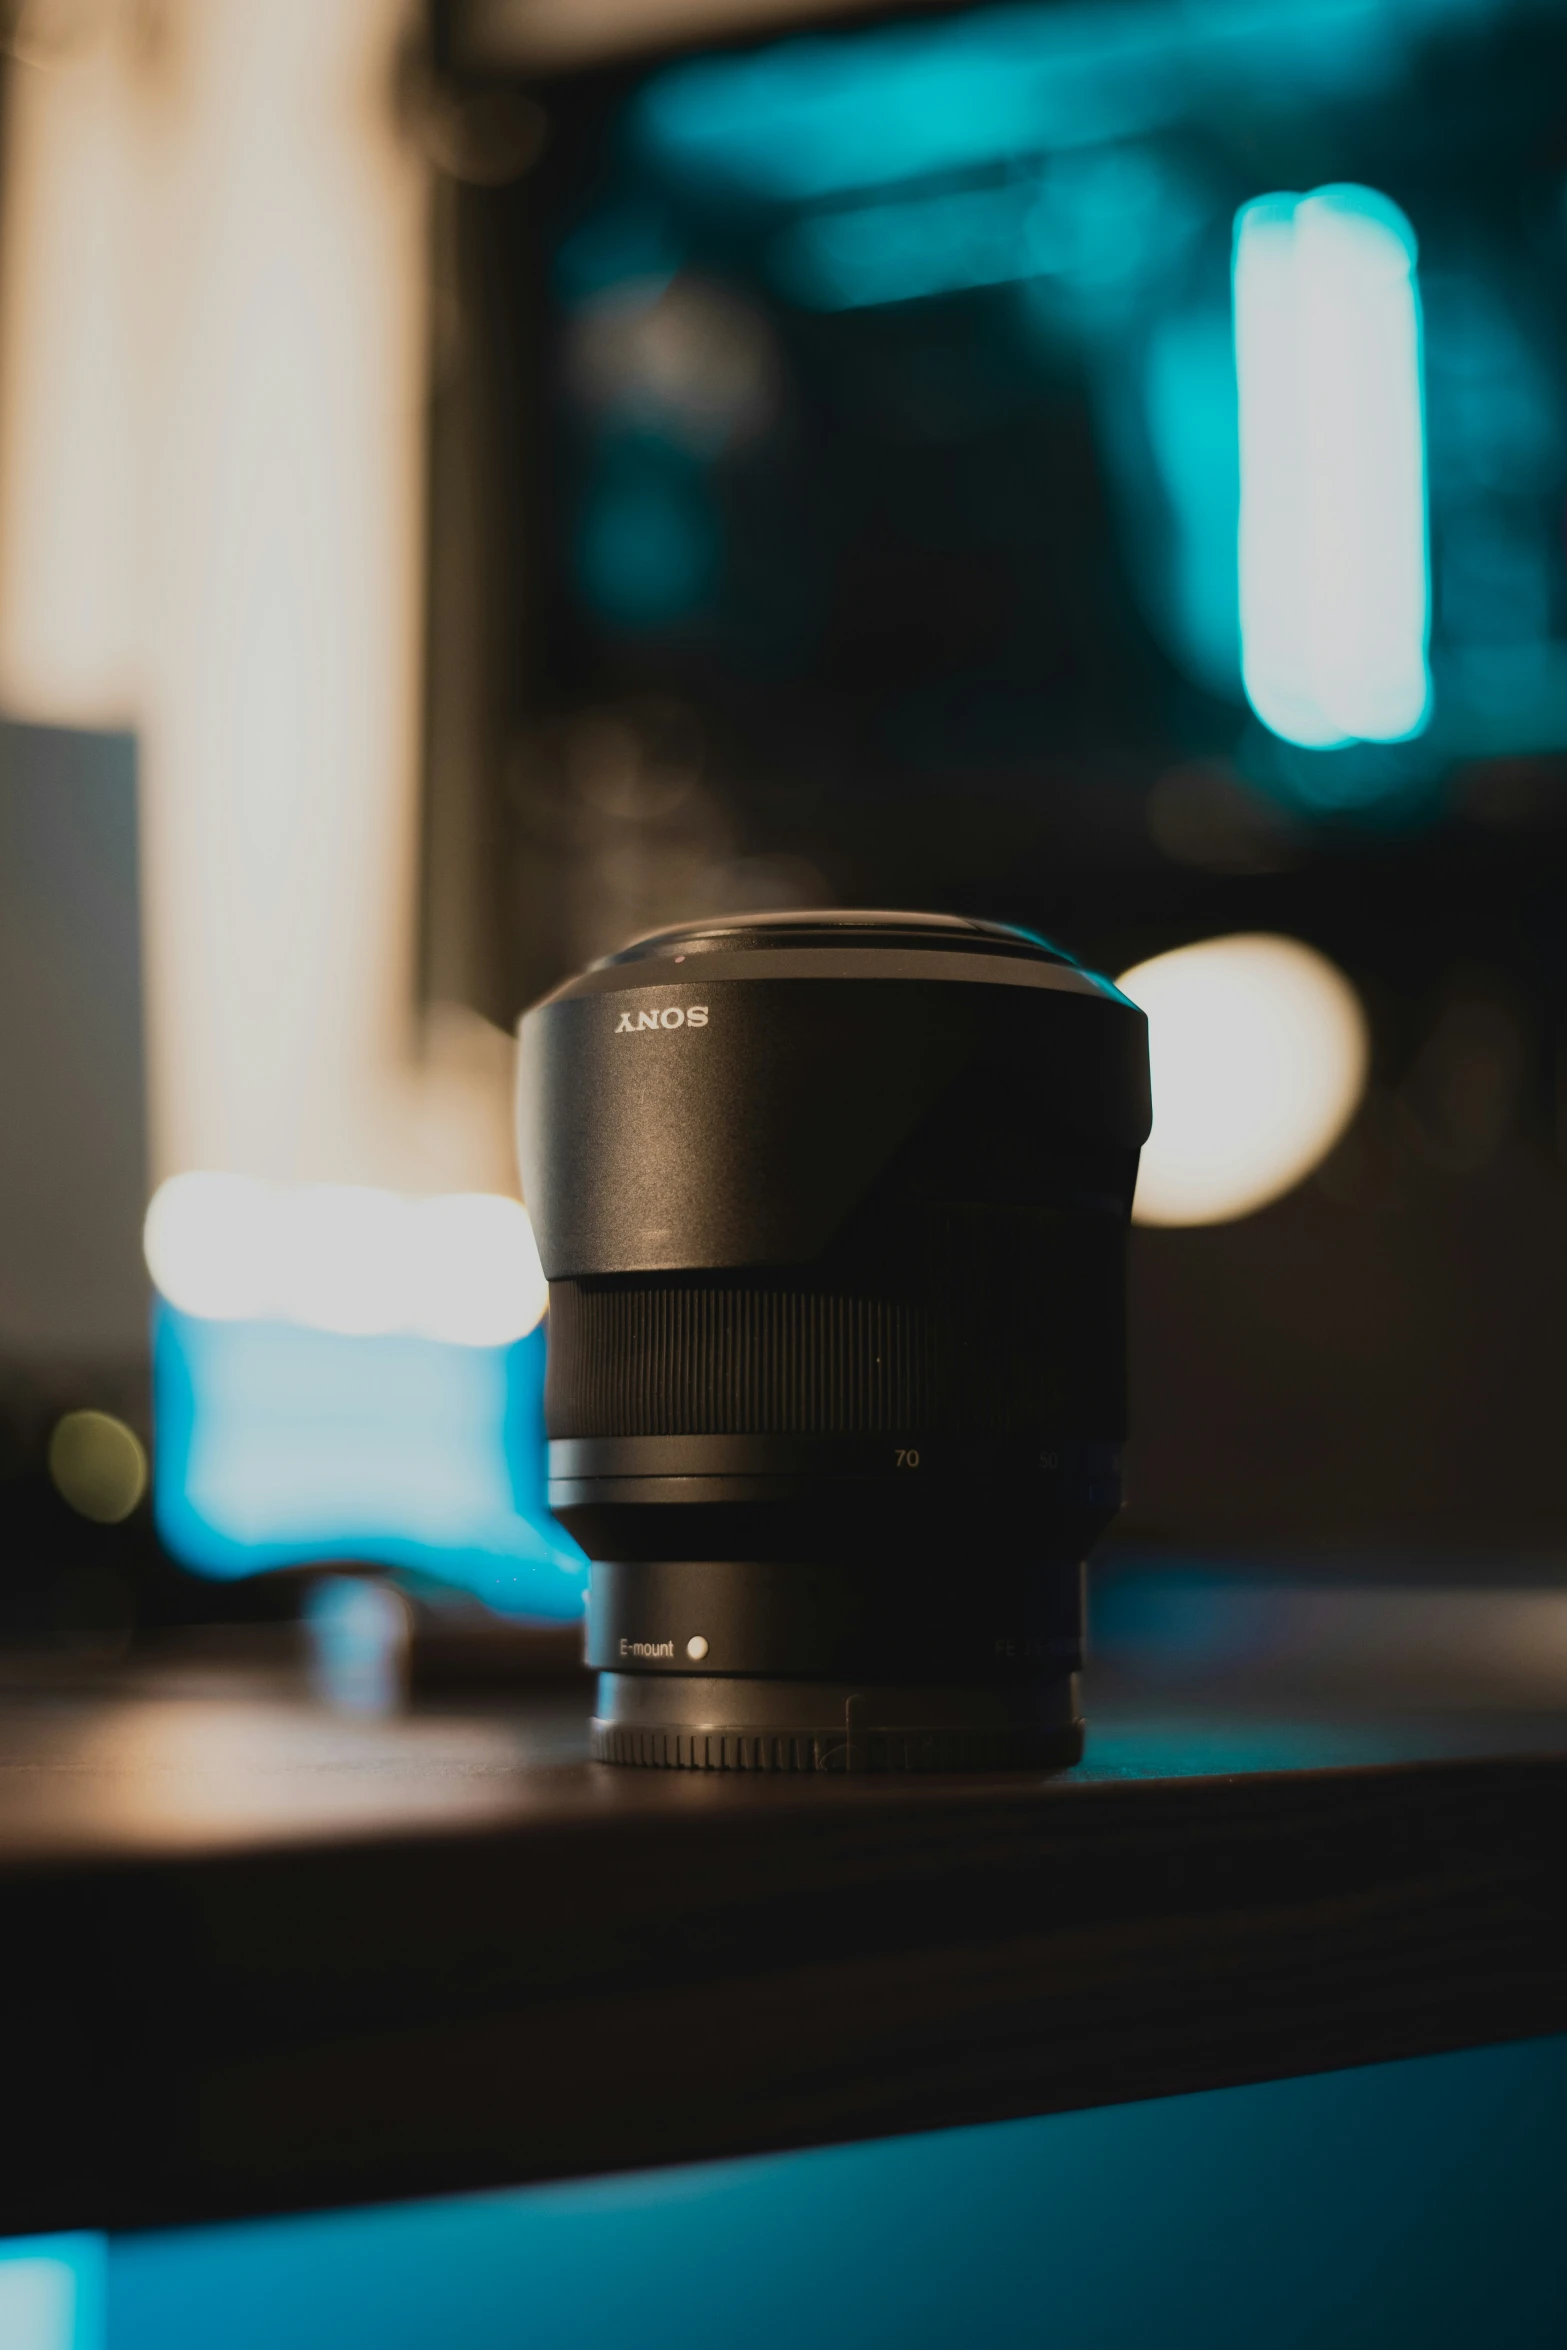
<point>833,1210</point>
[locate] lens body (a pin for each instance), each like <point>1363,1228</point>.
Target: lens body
<point>833,1211</point>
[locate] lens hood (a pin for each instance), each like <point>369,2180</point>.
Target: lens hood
<point>832,1206</point>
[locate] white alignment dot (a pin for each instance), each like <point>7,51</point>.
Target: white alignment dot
<point>696,1648</point>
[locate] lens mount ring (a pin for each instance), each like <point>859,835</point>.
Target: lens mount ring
<point>787,1726</point>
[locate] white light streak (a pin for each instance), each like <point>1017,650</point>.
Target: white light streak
<point>1334,567</point>
<point>346,1258</point>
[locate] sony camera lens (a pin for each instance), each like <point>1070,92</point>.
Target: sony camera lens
<point>833,1209</point>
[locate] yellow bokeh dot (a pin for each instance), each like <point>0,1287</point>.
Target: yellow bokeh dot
<point>98,1466</point>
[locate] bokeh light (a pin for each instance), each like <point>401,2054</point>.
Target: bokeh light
<point>98,1466</point>
<point>1259,1051</point>
<point>462,1267</point>
<point>474,1272</point>
<point>1334,571</point>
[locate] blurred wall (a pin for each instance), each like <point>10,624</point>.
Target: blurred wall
<point>73,1129</point>
<point>212,421</point>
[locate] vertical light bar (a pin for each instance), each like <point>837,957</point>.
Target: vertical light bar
<point>212,382</point>
<point>282,568</point>
<point>1334,569</point>
<point>1275,596</point>
<point>70,221</point>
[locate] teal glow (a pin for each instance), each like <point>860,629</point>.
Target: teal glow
<point>900,252</point>
<point>1497,439</point>
<point>1190,1746</point>
<point>1189,401</point>
<point>1385,784</point>
<point>1378,2209</point>
<point>1495,423</point>
<point>1333,560</point>
<point>280,1446</point>
<point>51,2292</point>
<point>815,117</point>
<point>1096,224</point>
<point>647,547</point>
<point>631,246</point>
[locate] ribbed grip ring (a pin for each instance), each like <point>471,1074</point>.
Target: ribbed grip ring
<point>992,1321</point>
<point>636,1359</point>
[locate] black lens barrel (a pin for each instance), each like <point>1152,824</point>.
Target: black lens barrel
<point>833,1211</point>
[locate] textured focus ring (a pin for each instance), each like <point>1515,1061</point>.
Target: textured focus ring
<point>685,1358</point>
<point>1005,1320</point>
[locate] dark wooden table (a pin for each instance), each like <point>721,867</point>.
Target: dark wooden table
<point>255,1956</point>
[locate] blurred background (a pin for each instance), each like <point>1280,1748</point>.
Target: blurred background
<point>482,480</point>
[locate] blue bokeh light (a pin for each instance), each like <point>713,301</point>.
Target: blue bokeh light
<point>52,2292</point>
<point>281,1446</point>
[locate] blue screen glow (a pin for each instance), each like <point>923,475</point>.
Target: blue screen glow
<point>52,2292</point>
<point>279,1445</point>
